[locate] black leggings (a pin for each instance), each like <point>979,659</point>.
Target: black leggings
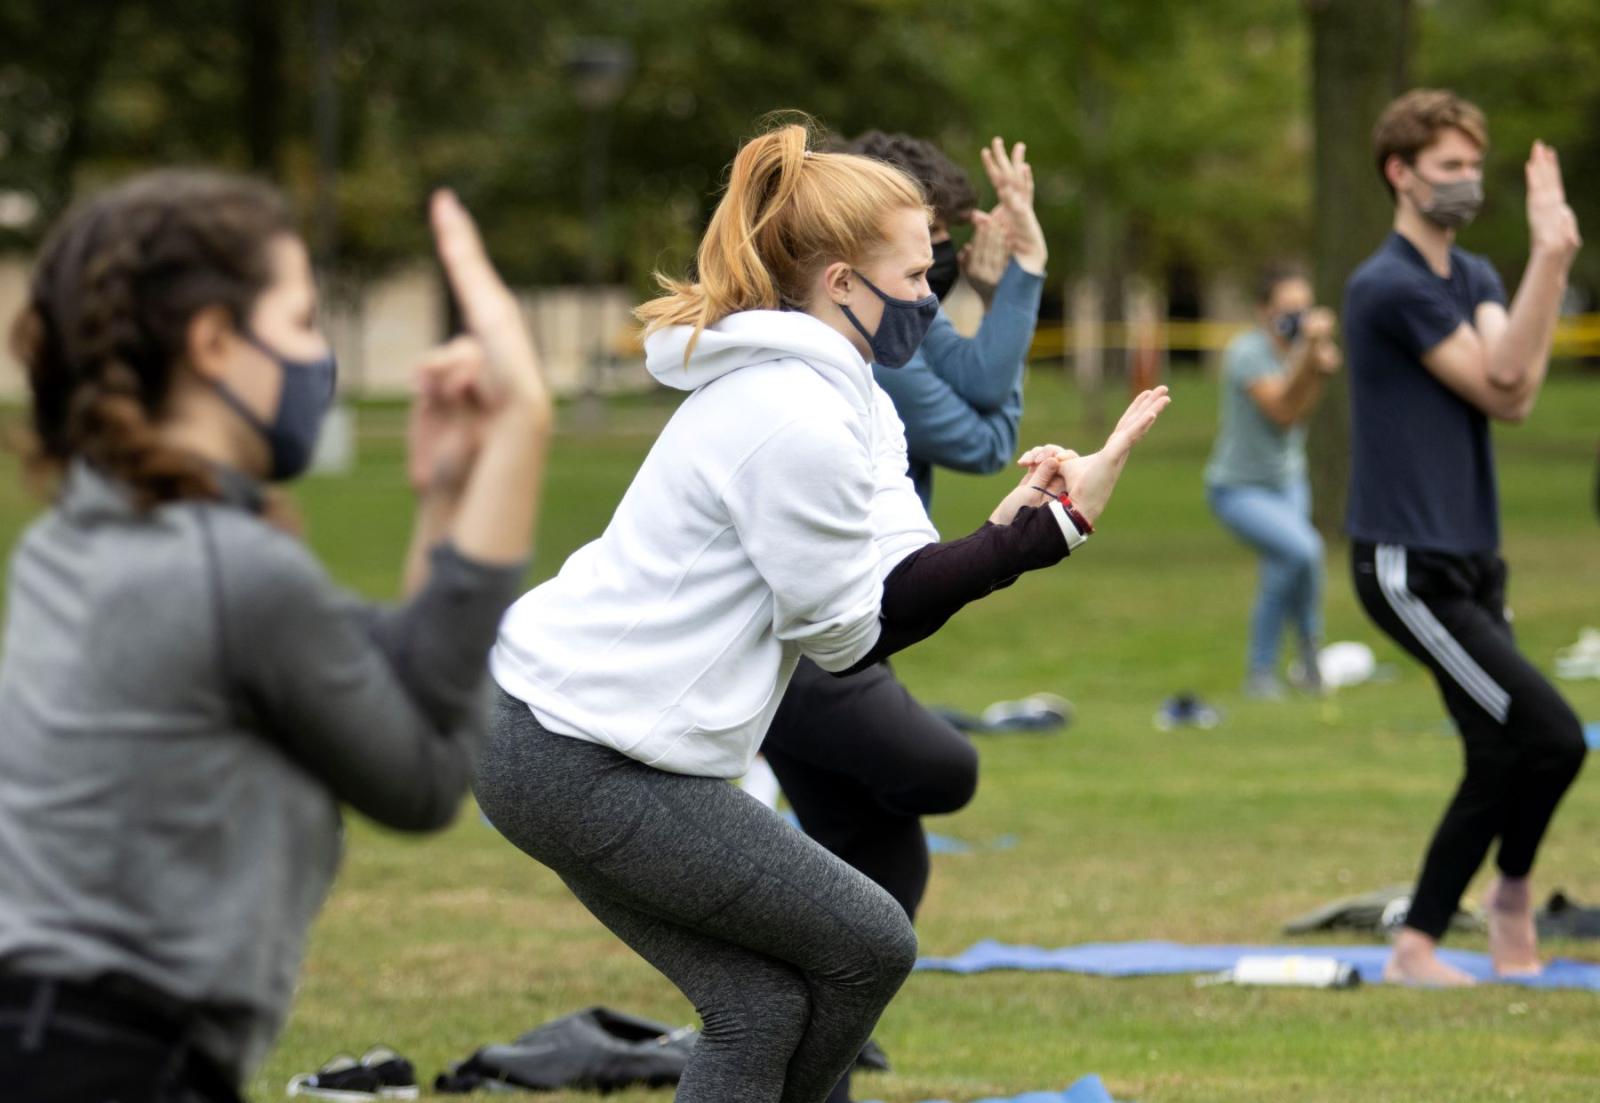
<point>1523,744</point>
<point>861,762</point>
<point>788,954</point>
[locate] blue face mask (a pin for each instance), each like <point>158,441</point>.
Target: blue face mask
<point>303,401</point>
<point>904,324</point>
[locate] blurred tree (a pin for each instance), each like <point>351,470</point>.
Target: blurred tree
<point>1163,134</point>
<point>262,92</point>
<point>1359,51</point>
<point>1536,72</point>
<point>52,61</point>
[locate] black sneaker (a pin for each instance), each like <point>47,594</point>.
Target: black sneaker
<point>1185,710</point>
<point>872,1057</point>
<point>397,1078</point>
<point>342,1078</point>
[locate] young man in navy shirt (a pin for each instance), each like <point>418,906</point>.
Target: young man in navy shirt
<point>1435,354</point>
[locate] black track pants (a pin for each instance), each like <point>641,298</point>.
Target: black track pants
<point>1523,744</point>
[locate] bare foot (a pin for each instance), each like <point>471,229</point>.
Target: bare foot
<point>1513,939</point>
<point>1416,961</point>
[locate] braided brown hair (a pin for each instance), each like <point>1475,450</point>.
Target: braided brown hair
<point>105,327</point>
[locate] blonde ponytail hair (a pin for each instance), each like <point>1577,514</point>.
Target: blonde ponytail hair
<point>787,211</point>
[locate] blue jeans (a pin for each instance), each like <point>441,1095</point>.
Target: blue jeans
<point>1276,522</point>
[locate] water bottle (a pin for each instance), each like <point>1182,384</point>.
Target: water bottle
<point>1294,970</point>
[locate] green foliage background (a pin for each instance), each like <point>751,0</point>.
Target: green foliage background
<point>1191,121</point>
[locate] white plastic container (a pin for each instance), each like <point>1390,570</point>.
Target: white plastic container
<point>1294,971</point>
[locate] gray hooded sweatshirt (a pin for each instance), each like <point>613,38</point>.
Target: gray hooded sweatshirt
<point>185,700</point>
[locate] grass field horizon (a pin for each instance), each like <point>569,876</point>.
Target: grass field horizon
<point>437,946</point>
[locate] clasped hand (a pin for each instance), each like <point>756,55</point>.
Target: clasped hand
<point>1088,480</point>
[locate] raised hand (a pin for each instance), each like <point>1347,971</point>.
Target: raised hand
<point>448,407</point>
<point>488,309</point>
<point>1012,178</point>
<point>481,420</point>
<point>1043,474</point>
<point>1317,324</point>
<point>1552,226</point>
<point>1317,330</point>
<point>983,258</point>
<point>1327,358</point>
<point>1091,479</point>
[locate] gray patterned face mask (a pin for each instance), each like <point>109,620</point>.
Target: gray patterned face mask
<point>1455,203</point>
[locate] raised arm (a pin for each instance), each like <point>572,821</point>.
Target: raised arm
<point>481,417</point>
<point>1498,364</point>
<point>383,705</point>
<point>986,368</point>
<point>1288,397</point>
<point>945,428</point>
<point>1028,530</point>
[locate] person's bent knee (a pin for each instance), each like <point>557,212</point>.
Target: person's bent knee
<point>944,782</point>
<point>1491,766</point>
<point>1308,554</point>
<point>772,1009</point>
<point>1564,751</point>
<point>1572,749</point>
<point>881,951</point>
<point>1553,734</point>
<point>896,949</point>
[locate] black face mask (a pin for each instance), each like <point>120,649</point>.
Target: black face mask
<point>1287,325</point>
<point>904,324</point>
<point>303,400</point>
<point>942,276</point>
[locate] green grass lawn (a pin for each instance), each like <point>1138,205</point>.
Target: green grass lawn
<point>1124,832</point>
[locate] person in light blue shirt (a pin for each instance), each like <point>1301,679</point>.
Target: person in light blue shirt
<point>1256,479</point>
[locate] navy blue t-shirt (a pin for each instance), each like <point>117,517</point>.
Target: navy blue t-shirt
<point>1421,465</point>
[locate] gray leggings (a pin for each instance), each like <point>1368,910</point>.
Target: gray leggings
<point>787,953</point>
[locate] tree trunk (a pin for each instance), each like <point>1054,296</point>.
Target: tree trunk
<point>262,91</point>
<point>1359,52</point>
<point>1102,239</point>
<point>81,82</point>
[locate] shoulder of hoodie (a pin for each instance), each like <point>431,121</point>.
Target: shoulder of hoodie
<point>266,574</point>
<point>782,389</point>
<point>783,399</point>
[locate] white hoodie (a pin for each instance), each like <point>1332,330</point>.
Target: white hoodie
<point>759,529</point>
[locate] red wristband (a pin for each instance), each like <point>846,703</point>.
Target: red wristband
<point>1077,517</point>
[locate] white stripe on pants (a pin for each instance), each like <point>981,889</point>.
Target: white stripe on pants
<point>1390,561</point>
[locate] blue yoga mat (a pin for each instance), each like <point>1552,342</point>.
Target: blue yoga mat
<point>1087,1090</point>
<point>1138,959</point>
<point>946,844</point>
